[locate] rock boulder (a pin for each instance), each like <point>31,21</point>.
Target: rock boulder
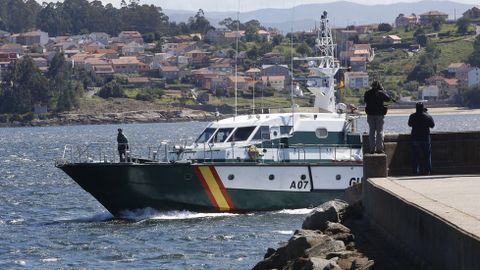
<point>331,211</point>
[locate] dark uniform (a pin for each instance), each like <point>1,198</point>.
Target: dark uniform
<point>376,110</point>
<point>421,123</point>
<point>122,145</point>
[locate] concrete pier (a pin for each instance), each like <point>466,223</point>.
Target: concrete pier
<point>434,219</point>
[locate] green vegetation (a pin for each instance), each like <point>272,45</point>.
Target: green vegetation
<point>474,58</point>
<point>471,98</point>
<point>400,70</point>
<point>111,89</point>
<point>26,87</point>
<point>453,50</point>
<point>427,65</point>
<point>150,94</point>
<point>82,16</point>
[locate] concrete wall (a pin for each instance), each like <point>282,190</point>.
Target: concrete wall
<point>452,153</point>
<point>430,242</point>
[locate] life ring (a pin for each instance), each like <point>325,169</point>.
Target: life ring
<point>252,152</point>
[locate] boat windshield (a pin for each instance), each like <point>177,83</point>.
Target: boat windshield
<point>206,134</point>
<point>263,133</point>
<point>285,130</point>
<point>221,135</point>
<point>241,134</point>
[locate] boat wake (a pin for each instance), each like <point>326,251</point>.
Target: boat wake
<point>152,214</point>
<point>300,211</point>
<point>103,216</point>
<point>190,215</point>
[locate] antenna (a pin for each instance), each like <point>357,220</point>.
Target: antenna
<point>236,58</point>
<point>321,80</point>
<point>253,92</point>
<point>291,67</point>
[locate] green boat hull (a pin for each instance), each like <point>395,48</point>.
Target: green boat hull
<point>123,187</point>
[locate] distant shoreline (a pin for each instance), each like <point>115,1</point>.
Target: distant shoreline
<point>155,116</point>
<point>434,111</point>
<point>130,117</point>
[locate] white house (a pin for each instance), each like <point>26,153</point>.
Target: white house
<point>133,48</point>
<point>473,77</point>
<point>356,79</point>
<point>429,92</point>
<point>30,38</point>
<point>101,37</point>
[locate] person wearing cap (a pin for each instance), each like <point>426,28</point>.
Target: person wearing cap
<point>122,145</point>
<point>421,123</point>
<point>376,111</point>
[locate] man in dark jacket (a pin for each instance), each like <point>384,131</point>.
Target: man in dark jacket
<point>122,145</point>
<point>421,123</point>
<point>376,110</point>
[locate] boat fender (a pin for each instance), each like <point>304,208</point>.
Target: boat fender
<point>253,152</point>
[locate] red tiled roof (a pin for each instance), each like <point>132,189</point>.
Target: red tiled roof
<point>169,68</point>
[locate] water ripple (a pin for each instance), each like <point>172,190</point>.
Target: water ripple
<point>48,222</point>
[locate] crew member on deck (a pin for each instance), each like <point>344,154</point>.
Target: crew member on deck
<point>122,145</point>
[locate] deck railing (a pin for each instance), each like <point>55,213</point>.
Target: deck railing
<point>107,152</point>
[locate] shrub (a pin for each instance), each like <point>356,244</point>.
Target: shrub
<point>4,118</point>
<point>111,89</point>
<point>28,117</point>
<point>150,94</point>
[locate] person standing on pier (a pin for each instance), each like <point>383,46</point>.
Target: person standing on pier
<point>421,123</point>
<point>376,111</point>
<point>122,145</point>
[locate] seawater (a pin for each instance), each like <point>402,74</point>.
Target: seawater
<point>49,222</point>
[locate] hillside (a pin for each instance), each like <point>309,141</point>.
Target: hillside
<point>343,13</point>
<point>392,66</point>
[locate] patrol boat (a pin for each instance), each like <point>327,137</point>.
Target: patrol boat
<point>255,162</point>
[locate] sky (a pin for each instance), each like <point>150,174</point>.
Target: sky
<point>247,5</point>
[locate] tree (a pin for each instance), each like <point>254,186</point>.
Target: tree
<point>304,49</point>
<point>111,89</point>
<point>50,19</point>
<point>253,53</point>
<point>420,36</point>
<point>198,23</point>
<point>384,27</point>
<point>18,15</point>
<point>251,34</point>
<point>437,23</point>
<point>231,24</point>
<point>411,86</point>
<point>421,40</point>
<point>65,91</point>
<point>474,59</point>
<point>25,87</point>
<point>427,65</point>
<point>277,40</point>
<point>462,25</point>
<point>471,98</point>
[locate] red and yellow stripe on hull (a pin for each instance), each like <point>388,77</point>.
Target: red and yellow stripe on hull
<point>214,187</point>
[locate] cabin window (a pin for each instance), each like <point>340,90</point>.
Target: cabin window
<point>221,135</point>
<point>241,134</point>
<point>285,130</point>
<point>321,133</point>
<point>206,134</point>
<point>263,133</point>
